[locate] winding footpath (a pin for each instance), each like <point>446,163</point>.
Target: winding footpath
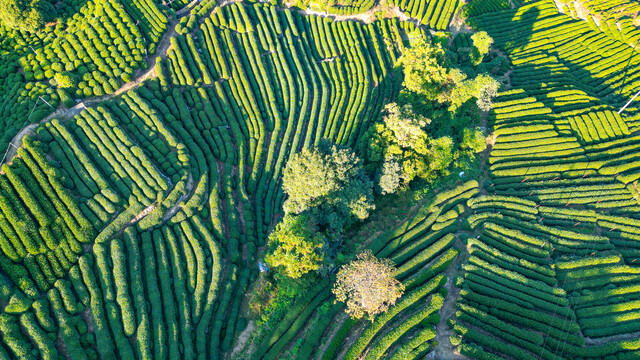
<point>161,51</point>
<point>444,350</point>
<point>63,113</point>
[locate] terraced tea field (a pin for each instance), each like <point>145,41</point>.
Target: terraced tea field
<point>137,203</point>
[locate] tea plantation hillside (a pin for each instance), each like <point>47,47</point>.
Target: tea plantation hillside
<point>94,48</point>
<point>143,191</point>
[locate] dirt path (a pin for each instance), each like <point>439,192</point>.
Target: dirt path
<point>366,17</point>
<point>444,350</point>
<point>610,339</point>
<point>458,25</point>
<point>16,142</point>
<point>142,214</point>
<point>243,338</point>
<point>340,319</point>
<point>161,51</point>
<point>176,207</point>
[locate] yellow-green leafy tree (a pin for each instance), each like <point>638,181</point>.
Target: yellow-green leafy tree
<point>295,246</point>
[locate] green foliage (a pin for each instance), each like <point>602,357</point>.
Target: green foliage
<point>270,300</point>
<point>414,347</point>
<point>483,88</point>
<point>295,246</point>
<point>473,139</point>
<point>27,15</point>
<point>385,343</point>
<point>278,82</point>
<point>18,304</point>
<point>399,145</point>
<point>407,300</point>
<point>290,313</point>
<point>428,73</point>
<point>481,44</point>
<point>64,80</point>
<point>329,181</point>
<point>424,73</point>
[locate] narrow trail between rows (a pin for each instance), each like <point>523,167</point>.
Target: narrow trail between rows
<point>63,113</point>
<point>442,351</point>
<point>365,17</point>
<point>162,49</point>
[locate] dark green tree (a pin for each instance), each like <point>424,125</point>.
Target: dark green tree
<point>473,139</point>
<point>428,74</point>
<point>330,182</point>
<point>425,70</point>
<point>400,149</point>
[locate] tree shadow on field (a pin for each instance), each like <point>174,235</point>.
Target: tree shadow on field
<point>557,72</point>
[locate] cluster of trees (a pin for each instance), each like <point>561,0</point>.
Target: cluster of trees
<point>26,15</point>
<point>435,122</point>
<point>401,148</point>
<point>429,75</point>
<point>330,183</point>
<point>327,190</point>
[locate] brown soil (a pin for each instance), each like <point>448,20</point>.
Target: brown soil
<point>16,142</point>
<point>583,12</point>
<point>143,213</point>
<point>367,17</point>
<point>243,338</point>
<point>444,350</point>
<point>176,207</point>
<point>336,326</point>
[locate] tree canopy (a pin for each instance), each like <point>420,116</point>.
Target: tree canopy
<point>295,246</point>
<point>483,88</point>
<point>481,44</point>
<point>401,149</point>
<point>330,182</point>
<point>428,72</point>
<point>424,73</point>
<point>473,139</point>
<point>64,80</point>
<point>367,285</point>
<point>27,15</point>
